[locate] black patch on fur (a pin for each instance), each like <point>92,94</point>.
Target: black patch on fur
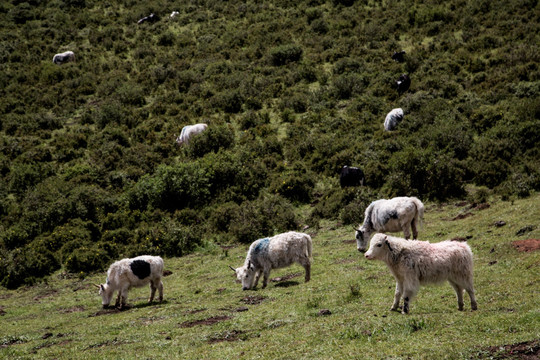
<point>390,215</point>
<point>140,268</point>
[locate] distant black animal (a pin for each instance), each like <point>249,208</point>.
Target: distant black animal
<point>351,176</point>
<point>150,18</point>
<point>399,56</point>
<point>403,83</point>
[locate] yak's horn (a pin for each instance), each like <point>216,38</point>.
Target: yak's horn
<point>233,269</point>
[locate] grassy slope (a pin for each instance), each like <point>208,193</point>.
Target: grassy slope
<point>286,323</point>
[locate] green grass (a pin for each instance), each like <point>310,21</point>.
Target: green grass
<point>62,319</point>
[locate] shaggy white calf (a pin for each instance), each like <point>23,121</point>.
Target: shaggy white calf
<point>415,263</point>
<point>394,215</point>
<point>273,253</point>
<point>127,273</point>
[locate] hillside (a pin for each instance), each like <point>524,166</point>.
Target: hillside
<point>342,313</point>
<point>291,91</point>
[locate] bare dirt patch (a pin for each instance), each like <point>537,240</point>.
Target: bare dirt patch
<point>208,321</point>
<point>2,311</point>
<point>527,245</point>
<point>45,294</point>
<point>463,216</point>
<point>349,241</point>
<point>232,335</point>
<point>195,311</point>
<point>167,272</point>
<point>529,350</point>
<point>253,300</point>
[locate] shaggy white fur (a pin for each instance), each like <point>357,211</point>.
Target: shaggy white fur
<point>414,263</point>
<point>394,215</point>
<point>273,253</point>
<point>121,278</point>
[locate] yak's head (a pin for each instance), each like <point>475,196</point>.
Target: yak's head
<point>106,294</point>
<point>362,235</point>
<point>379,247</point>
<point>246,274</point>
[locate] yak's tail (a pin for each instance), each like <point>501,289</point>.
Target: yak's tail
<point>309,247</point>
<point>419,217</point>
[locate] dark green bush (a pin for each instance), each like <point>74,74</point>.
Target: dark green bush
<point>285,54</point>
<point>87,259</point>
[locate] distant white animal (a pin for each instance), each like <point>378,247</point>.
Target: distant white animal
<point>394,215</point>
<point>393,118</point>
<point>127,273</point>
<point>173,14</point>
<point>63,57</point>
<point>188,131</point>
<point>415,263</point>
<point>273,253</point>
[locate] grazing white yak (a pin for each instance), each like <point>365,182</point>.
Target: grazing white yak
<point>127,273</point>
<point>188,131</point>
<point>63,57</point>
<point>415,263</point>
<point>394,215</point>
<point>393,118</point>
<point>273,253</point>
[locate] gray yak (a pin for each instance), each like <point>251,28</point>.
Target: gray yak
<point>394,215</point>
<point>273,253</point>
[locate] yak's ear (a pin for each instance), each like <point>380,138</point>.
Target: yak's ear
<point>387,243</point>
<point>250,265</point>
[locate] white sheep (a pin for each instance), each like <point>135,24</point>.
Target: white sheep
<point>415,263</point>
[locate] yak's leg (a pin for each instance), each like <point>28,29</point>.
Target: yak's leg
<point>409,291</point>
<point>470,290</point>
<point>397,295</point>
<point>266,274</point>
<point>153,289</point>
<point>160,289</point>
<point>459,294</point>
<point>406,231</point>
<point>123,294</point>
<point>307,266</point>
<point>118,297</point>
<point>257,276</point>
<point>414,229</point>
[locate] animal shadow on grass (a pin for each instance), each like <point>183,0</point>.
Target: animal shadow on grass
<point>110,310</point>
<point>286,284</point>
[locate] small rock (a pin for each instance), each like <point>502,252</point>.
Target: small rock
<point>324,312</point>
<point>500,223</point>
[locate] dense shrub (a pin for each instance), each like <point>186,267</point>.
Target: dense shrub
<point>285,54</point>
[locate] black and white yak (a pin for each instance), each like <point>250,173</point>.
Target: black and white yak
<point>394,215</point>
